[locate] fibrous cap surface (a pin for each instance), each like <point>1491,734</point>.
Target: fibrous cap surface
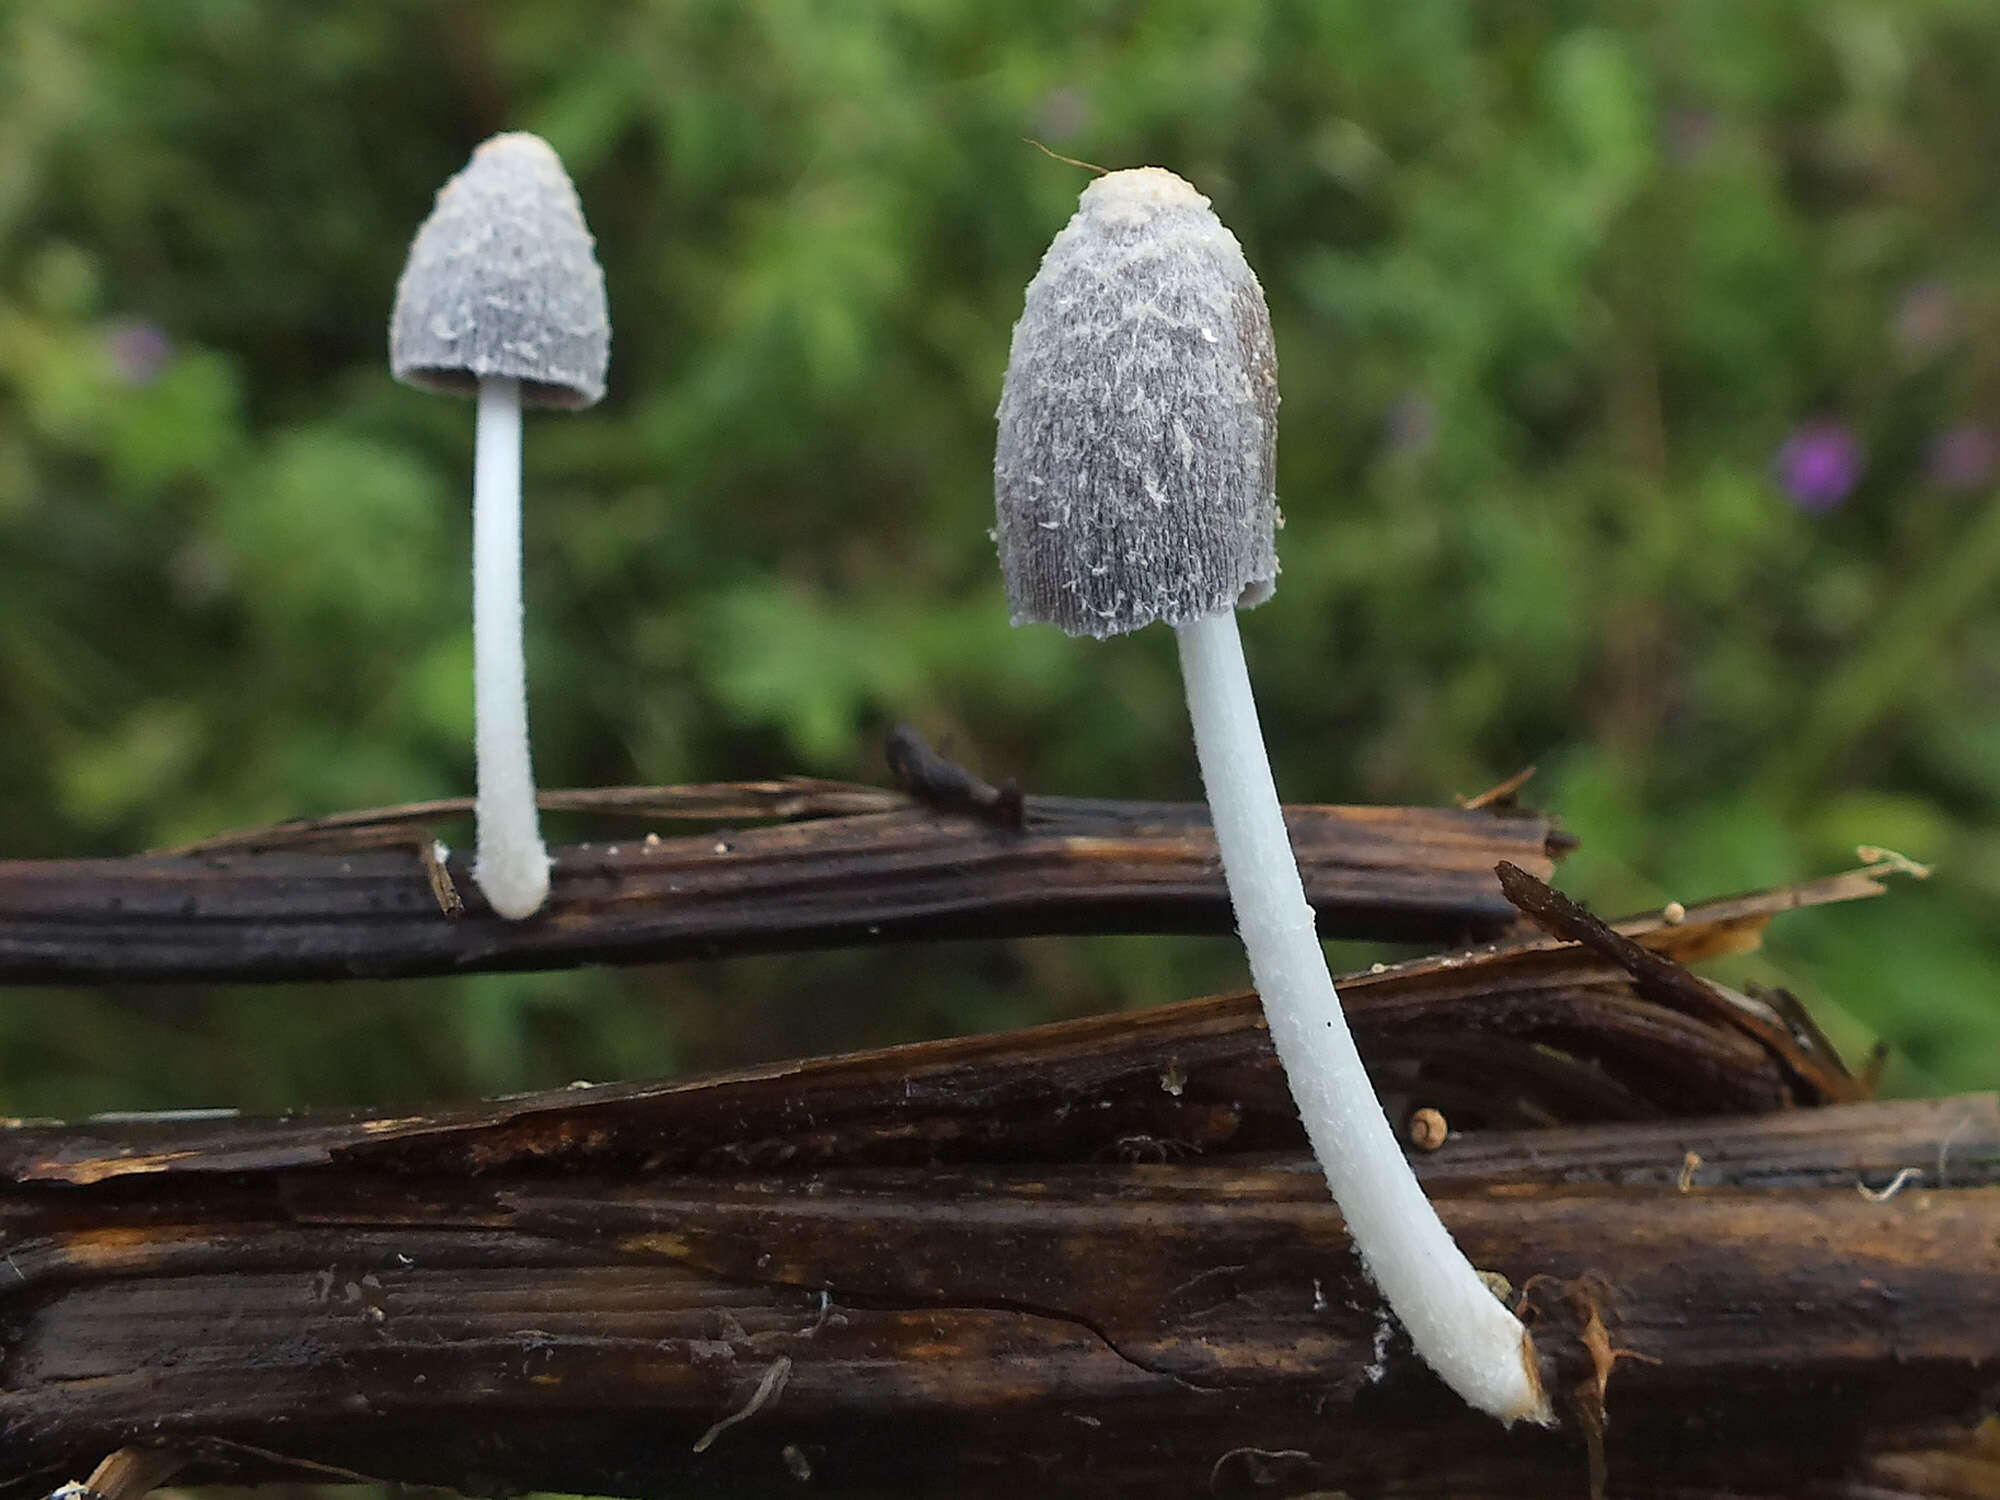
<point>1135,466</point>
<point>502,281</point>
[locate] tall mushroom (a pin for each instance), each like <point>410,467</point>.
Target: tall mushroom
<point>502,298</point>
<point>1134,480</point>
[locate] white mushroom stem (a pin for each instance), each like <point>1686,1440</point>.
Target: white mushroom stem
<point>1456,1323</point>
<point>512,865</point>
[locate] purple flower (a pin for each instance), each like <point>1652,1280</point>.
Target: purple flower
<point>1819,465</point>
<point>1962,457</point>
<point>139,350</point>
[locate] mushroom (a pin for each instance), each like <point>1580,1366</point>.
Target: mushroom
<point>1134,481</point>
<point>502,299</point>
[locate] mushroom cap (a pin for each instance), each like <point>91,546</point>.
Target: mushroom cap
<point>502,281</point>
<point>1134,475</point>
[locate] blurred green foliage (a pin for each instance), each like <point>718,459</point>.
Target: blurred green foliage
<point>1553,284</point>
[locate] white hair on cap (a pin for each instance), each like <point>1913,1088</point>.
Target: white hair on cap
<point>1134,474</point>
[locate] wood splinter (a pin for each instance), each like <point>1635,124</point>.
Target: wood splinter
<point>128,1474</point>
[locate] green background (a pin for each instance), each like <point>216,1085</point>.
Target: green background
<point>1553,284</point>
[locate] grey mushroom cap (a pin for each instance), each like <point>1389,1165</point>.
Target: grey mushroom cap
<point>1134,474</point>
<point>502,281</point>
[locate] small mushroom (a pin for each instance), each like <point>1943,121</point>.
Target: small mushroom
<point>1134,479</point>
<point>502,299</point>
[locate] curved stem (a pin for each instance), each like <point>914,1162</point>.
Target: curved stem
<point>512,865</point>
<point>1460,1328</point>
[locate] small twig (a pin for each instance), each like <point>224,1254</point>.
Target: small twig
<point>1661,979</point>
<point>271,1455</point>
<point>937,781</point>
<point>1069,161</point>
<point>1500,793</point>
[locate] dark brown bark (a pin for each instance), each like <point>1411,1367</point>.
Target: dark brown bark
<point>1528,1031</point>
<point>1186,1328</point>
<point>1085,1259</point>
<point>285,905</point>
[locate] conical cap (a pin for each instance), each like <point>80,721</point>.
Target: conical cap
<point>502,281</point>
<point>1135,468</point>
